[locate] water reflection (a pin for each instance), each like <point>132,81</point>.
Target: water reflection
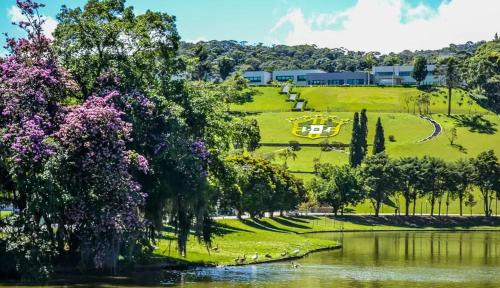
<point>379,259</point>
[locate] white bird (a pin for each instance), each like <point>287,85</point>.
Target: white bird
<point>255,257</point>
<point>296,251</point>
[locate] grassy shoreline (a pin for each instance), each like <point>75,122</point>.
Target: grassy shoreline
<point>246,237</point>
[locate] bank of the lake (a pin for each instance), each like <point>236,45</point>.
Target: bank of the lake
<point>272,236</point>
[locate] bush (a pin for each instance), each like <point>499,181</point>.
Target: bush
<point>295,145</point>
<point>392,138</point>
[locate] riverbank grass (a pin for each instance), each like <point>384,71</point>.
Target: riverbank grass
<point>238,238</point>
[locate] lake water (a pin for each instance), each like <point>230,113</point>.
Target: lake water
<point>367,259</point>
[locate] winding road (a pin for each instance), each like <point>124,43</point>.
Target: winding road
<point>437,129</point>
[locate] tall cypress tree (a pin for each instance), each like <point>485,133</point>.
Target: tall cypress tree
<point>355,153</point>
<point>379,143</point>
<point>363,132</point>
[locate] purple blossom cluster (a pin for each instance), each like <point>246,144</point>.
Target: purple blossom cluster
<point>95,136</point>
<point>200,151</point>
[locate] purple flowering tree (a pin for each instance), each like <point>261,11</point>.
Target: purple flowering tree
<point>103,199</point>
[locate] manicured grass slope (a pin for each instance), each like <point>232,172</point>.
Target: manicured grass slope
<point>273,235</point>
<point>383,99</point>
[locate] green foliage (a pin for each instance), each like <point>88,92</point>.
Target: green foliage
<point>337,186</point>
<point>482,71</point>
<point>262,186</point>
<point>378,173</point>
<point>356,150</point>
<point>379,141</point>
<point>419,69</point>
<point>487,178</point>
<point>363,132</point>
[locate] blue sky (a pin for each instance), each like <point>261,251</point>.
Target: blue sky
<point>382,25</point>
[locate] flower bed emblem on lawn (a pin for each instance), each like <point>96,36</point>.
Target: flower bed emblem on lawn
<point>316,126</point>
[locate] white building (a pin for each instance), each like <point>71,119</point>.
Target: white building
<point>397,75</point>
<point>257,77</point>
<point>298,77</point>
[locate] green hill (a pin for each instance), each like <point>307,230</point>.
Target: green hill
<point>477,128</point>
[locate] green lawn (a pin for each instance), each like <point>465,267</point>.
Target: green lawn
<point>4,214</point>
<point>245,237</point>
<point>382,99</point>
<point>273,235</point>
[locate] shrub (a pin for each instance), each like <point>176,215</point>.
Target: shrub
<point>392,138</point>
<point>295,145</point>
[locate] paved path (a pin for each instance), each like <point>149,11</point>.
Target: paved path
<point>437,129</point>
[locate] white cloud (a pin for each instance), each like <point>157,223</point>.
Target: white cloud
<point>196,40</point>
<point>378,26</point>
<point>49,26</point>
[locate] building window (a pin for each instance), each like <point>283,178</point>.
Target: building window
<point>301,78</point>
<point>355,81</point>
<point>254,79</point>
<point>337,82</point>
<point>405,73</point>
<point>384,73</point>
<point>284,78</point>
<point>317,82</point>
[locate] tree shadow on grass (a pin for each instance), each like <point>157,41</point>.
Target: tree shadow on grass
<point>460,148</point>
<point>421,221</point>
<point>258,224</point>
<point>476,123</point>
<point>286,222</point>
<point>295,219</point>
<point>224,229</point>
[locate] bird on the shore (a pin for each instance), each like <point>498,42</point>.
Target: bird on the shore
<point>216,248</point>
<point>255,257</point>
<point>295,265</point>
<point>296,251</point>
<point>237,259</point>
<point>284,253</point>
<point>268,256</point>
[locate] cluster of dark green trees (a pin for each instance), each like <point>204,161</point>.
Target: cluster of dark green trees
<point>383,180</point>
<point>359,143</point>
<point>255,186</point>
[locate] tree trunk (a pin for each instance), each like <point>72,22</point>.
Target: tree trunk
<point>239,215</point>
<point>407,204</point>
<point>486,198</point>
<point>281,213</point>
<point>377,209</point>
<point>440,201</point>
<point>271,214</point>
<point>449,101</point>
<point>414,203</point>
<point>433,201</point>
<point>461,200</point>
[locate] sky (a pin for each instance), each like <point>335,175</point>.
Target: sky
<point>363,25</point>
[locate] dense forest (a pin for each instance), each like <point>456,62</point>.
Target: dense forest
<point>234,55</point>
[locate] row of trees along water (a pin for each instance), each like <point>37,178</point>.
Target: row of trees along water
<point>382,180</point>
